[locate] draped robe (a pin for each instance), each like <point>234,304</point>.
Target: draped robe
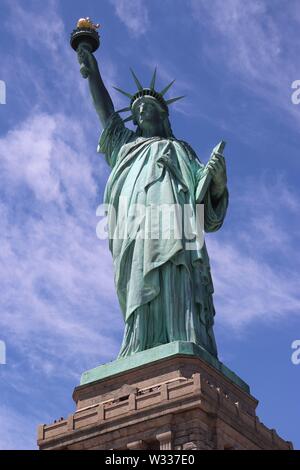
<point>164,289</point>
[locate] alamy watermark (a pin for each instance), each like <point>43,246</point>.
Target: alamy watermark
<point>2,352</point>
<point>152,222</point>
<point>295,357</point>
<point>2,92</point>
<point>295,97</point>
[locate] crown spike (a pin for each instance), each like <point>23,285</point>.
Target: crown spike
<point>164,91</point>
<point>172,100</point>
<point>123,110</point>
<point>137,82</point>
<point>129,118</point>
<point>152,84</point>
<point>123,92</point>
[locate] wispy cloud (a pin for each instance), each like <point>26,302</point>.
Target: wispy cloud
<point>134,14</point>
<point>51,80</point>
<point>249,33</point>
<point>249,289</point>
<point>55,274</point>
<point>59,311</point>
<point>253,276</point>
<point>51,272</point>
<point>251,40</point>
<point>35,29</point>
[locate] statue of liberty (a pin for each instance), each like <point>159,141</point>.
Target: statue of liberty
<point>164,289</point>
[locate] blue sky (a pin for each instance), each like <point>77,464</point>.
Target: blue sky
<point>235,61</point>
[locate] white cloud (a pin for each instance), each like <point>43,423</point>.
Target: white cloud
<point>37,30</point>
<point>249,33</point>
<point>256,42</point>
<point>252,266</point>
<point>41,154</point>
<point>250,289</point>
<point>51,79</point>
<point>134,14</point>
<point>54,272</point>
<point>59,310</point>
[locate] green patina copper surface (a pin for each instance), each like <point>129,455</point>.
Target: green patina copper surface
<point>164,288</point>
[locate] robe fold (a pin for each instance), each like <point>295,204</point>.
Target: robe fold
<point>164,288</point>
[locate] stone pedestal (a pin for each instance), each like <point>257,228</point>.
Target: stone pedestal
<point>167,398</point>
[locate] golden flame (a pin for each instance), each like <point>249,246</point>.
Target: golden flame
<point>87,23</point>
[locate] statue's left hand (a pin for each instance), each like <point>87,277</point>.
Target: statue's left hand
<point>88,63</point>
<point>217,168</point>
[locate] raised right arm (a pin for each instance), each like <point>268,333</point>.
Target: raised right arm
<point>101,98</point>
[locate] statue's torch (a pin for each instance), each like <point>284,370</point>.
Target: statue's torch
<point>85,35</point>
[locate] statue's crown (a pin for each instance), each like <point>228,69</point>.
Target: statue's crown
<point>151,92</point>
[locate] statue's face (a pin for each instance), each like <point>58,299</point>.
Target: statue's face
<point>148,113</point>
